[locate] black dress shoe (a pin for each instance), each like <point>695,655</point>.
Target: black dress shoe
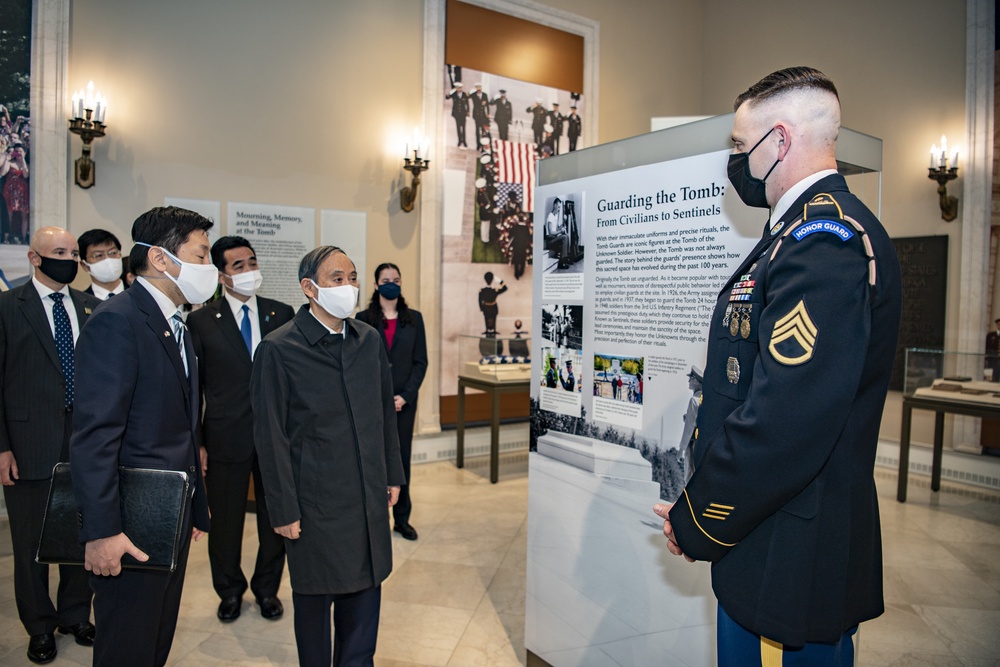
<point>42,648</point>
<point>84,632</point>
<point>229,609</point>
<point>271,608</point>
<point>406,530</point>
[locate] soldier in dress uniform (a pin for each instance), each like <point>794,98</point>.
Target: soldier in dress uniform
<point>538,116</point>
<point>480,112</point>
<point>459,110</point>
<point>503,114</point>
<point>574,123</point>
<point>782,501</point>
<point>556,119</point>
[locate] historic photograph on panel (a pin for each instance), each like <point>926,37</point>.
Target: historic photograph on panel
<point>563,235</point>
<point>562,326</point>
<point>15,140</point>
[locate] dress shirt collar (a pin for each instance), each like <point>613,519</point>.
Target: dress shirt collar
<point>795,192</point>
<point>167,307</point>
<point>44,291</point>
<point>237,306</point>
<point>343,329</point>
<point>103,294</point>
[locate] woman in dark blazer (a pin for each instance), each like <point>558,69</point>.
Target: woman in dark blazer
<point>402,330</point>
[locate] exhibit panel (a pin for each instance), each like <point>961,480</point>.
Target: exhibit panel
<point>616,384</point>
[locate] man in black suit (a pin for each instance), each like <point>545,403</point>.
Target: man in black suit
<point>226,333</point>
<point>140,408</point>
<point>101,256</point>
<point>39,324</point>
<point>503,114</point>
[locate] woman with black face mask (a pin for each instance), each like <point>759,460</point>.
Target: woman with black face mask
<point>402,330</point>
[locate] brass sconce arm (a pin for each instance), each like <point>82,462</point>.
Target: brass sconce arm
<point>408,195</point>
<point>949,203</point>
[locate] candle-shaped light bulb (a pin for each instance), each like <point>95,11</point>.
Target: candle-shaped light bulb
<point>76,101</point>
<point>90,96</point>
<point>954,159</point>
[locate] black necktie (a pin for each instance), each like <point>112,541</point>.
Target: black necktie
<point>64,343</point>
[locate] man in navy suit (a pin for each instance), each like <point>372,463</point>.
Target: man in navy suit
<point>140,411</point>
<point>39,322</point>
<point>782,500</point>
<point>101,256</point>
<point>226,333</point>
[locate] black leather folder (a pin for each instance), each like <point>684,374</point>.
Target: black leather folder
<point>153,507</point>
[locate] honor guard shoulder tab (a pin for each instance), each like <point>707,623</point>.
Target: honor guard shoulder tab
<point>823,214</point>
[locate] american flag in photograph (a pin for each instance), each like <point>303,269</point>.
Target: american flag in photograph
<point>516,164</point>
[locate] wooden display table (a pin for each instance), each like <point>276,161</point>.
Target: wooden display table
<point>940,406</point>
<point>495,389</point>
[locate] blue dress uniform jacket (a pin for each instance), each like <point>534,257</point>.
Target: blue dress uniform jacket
<point>783,500</point>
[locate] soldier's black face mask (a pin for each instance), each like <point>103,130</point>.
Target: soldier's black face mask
<point>753,191</point>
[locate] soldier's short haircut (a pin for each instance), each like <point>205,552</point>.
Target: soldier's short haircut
<point>786,80</point>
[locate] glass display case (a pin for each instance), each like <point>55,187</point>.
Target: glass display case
<point>500,359</point>
<point>957,376</point>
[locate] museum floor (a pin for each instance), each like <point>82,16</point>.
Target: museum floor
<point>456,596</point>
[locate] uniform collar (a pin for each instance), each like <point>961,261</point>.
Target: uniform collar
<point>795,192</point>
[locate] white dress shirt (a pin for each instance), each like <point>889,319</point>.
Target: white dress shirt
<point>168,308</point>
<point>103,294</point>
<point>237,307</point>
<point>44,293</point>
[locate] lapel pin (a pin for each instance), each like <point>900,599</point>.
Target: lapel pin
<point>218,315</point>
<point>88,311</point>
<point>166,334</point>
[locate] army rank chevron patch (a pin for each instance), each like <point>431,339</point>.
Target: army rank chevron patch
<point>794,337</point>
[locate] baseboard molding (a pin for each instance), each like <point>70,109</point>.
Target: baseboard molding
<point>442,447</point>
<point>960,467</point>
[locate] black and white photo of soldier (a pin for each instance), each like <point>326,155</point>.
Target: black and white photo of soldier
<point>562,326</point>
<point>688,435</point>
<point>563,235</point>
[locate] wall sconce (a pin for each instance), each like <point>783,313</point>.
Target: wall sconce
<point>419,163</point>
<point>87,120</point>
<point>942,171</point>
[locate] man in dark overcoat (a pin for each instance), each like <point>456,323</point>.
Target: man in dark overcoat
<point>325,431</point>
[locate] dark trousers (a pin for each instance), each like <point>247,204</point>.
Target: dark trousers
<point>355,628</point>
<point>555,143</point>
<point>460,128</point>
<point>25,509</point>
<point>502,129</point>
<point>739,647</point>
<point>405,419</point>
<point>572,143</point>
<point>227,485</point>
<point>136,613</point>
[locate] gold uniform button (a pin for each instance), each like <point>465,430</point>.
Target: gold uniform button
<point>696,434</point>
